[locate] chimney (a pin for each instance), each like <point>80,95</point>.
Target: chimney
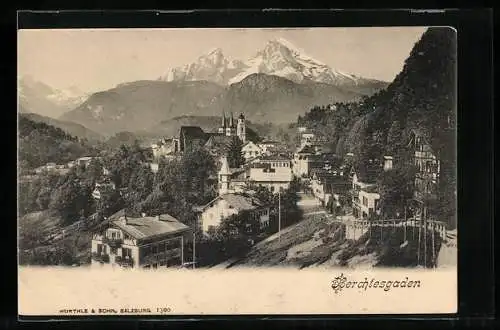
<point>387,163</point>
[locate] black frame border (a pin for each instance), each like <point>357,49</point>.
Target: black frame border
<point>475,137</point>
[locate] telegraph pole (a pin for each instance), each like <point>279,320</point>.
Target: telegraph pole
<point>279,214</point>
<point>194,247</point>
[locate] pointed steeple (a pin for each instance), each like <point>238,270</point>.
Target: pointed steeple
<point>223,119</point>
<point>231,124</point>
<point>224,169</point>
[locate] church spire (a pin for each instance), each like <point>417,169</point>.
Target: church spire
<point>223,119</point>
<point>231,124</point>
<point>224,169</point>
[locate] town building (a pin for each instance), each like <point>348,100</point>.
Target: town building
<point>230,127</point>
<point>225,205</point>
<point>103,188</point>
<point>328,185</point>
<point>217,144</point>
<point>140,242</point>
<point>306,136</point>
<point>190,138</point>
<point>365,198</point>
<point>164,147</point>
<point>251,150</point>
<point>83,161</point>
<point>231,180</point>
<point>273,172</point>
<point>302,159</point>
<point>428,169</point>
<point>268,147</point>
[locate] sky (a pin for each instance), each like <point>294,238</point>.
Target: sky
<point>99,59</point>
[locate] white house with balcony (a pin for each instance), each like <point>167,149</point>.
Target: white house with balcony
<point>211,215</point>
<point>250,150</point>
<point>366,198</point>
<point>139,242</point>
<point>273,172</point>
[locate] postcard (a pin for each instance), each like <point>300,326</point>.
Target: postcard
<point>224,171</point>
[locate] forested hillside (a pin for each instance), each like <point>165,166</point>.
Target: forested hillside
<point>40,143</point>
<point>422,96</point>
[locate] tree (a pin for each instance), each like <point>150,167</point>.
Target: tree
<point>395,188</point>
<point>235,231</point>
<point>71,200</point>
<point>234,154</point>
<point>198,167</point>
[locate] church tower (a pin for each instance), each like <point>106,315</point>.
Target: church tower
<point>224,177</point>
<point>241,129</point>
<point>222,128</point>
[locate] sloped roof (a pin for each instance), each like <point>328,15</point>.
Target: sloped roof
<point>242,202</point>
<point>217,140</point>
<point>193,132</point>
<point>238,201</point>
<point>146,227</point>
<point>260,175</point>
<point>307,149</point>
<point>268,142</point>
<point>274,158</point>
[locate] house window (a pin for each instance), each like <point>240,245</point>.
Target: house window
<point>272,188</point>
<point>126,253</point>
<point>99,248</point>
<point>145,251</point>
<point>365,201</point>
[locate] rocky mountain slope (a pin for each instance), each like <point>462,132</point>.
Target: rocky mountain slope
<point>139,105</point>
<point>262,98</point>
<point>279,57</point>
<point>38,97</point>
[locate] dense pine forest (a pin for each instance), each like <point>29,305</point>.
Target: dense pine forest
<point>421,97</point>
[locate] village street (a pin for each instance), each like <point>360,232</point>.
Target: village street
<point>303,235</point>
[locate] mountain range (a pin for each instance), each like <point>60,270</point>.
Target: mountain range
<point>276,85</point>
<point>279,57</point>
<point>38,97</point>
<point>262,98</point>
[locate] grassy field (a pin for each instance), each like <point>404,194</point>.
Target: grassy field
<point>36,227</point>
<point>318,240</point>
<point>308,242</point>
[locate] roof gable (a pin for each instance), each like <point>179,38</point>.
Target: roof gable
<point>147,227</point>
<point>240,202</point>
<point>193,132</point>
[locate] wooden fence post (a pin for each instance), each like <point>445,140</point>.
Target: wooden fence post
<point>425,237</point>
<point>433,247</point>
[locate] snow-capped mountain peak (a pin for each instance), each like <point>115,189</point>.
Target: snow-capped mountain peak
<point>211,66</point>
<point>43,99</point>
<point>279,57</point>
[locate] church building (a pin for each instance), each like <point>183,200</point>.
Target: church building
<point>231,128</point>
